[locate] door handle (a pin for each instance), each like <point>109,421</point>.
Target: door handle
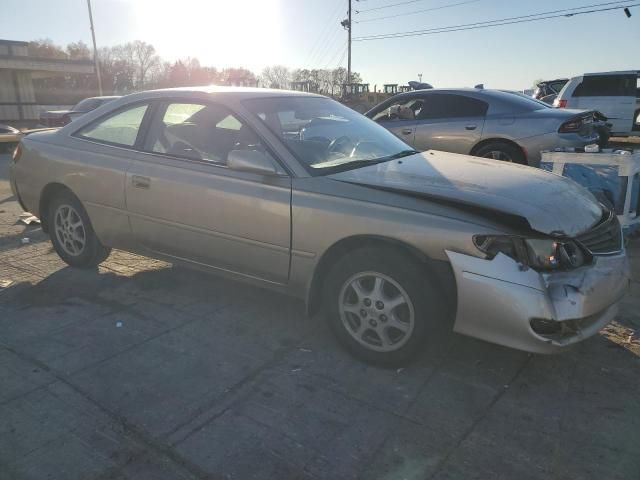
<point>471,127</point>
<point>407,131</point>
<point>140,182</point>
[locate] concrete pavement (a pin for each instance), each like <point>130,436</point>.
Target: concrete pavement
<point>140,370</point>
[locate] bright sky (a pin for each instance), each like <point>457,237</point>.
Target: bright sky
<point>306,33</point>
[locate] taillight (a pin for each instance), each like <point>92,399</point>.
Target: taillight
<point>571,126</point>
<point>560,103</point>
<point>17,153</point>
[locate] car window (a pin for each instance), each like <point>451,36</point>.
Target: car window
<point>606,86</point>
<point>325,136</point>
<point>402,110</point>
<point>199,132</point>
<point>446,105</point>
<point>119,129</point>
<point>555,87</point>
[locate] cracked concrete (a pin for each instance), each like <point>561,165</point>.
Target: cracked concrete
<point>140,370</point>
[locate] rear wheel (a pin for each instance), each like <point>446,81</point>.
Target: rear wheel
<point>382,306</point>
<point>72,235</point>
<point>502,151</point>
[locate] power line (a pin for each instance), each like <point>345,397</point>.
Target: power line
<point>330,49</point>
<point>417,11</point>
<point>324,35</point>
<point>389,6</point>
<point>498,22</point>
<point>331,61</point>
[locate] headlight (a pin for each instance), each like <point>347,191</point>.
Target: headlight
<point>538,253</point>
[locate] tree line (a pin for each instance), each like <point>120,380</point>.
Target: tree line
<point>136,66</point>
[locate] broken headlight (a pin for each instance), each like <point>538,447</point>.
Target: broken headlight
<point>538,253</point>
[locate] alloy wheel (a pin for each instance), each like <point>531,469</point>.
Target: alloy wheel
<point>70,230</point>
<point>498,155</point>
<point>376,311</point>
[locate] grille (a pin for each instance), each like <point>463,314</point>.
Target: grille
<point>605,237</point>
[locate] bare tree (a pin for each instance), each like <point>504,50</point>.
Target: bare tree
<point>144,58</point>
<point>78,51</point>
<point>277,76</point>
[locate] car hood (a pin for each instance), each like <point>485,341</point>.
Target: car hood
<point>551,204</point>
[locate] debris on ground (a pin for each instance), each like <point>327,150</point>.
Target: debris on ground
<point>25,240</point>
<point>28,218</point>
<point>118,324</point>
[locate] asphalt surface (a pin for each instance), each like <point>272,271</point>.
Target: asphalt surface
<point>140,370</point>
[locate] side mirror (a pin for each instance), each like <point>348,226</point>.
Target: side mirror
<point>251,161</point>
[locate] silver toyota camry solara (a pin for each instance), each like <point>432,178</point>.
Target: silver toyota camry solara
<point>300,194</point>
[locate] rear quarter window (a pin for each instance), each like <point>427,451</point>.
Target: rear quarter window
<point>120,128</point>
<point>606,86</point>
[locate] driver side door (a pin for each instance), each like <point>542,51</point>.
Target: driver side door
<point>184,202</point>
<point>400,118</point>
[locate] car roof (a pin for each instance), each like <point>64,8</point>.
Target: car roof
<point>620,72</point>
<point>239,93</point>
<point>474,91</point>
<point>554,80</point>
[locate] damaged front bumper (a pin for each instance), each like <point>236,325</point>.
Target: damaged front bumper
<point>500,302</point>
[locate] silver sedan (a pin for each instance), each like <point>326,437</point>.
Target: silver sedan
<point>297,193</point>
<point>494,124</point>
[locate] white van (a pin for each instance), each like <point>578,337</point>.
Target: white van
<point>614,94</point>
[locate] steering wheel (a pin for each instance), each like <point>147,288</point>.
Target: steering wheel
<point>337,143</point>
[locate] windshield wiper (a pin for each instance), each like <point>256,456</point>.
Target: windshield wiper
<point>403,153</point>
<point>365,162</point>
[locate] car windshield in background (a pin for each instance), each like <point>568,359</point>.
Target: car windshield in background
<point>325,136</point>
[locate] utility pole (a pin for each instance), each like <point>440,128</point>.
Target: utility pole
<point>95,49</point>
<point>349,48</point>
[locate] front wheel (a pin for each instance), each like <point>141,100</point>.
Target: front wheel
<point>382,306</point>
<point>72,234</point>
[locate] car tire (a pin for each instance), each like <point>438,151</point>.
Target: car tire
<point>603,136</point>
<point>502,151</point>
<point>72,234</point>
<point>354,295</point>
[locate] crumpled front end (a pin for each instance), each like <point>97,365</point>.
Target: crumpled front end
<point>502,302</point>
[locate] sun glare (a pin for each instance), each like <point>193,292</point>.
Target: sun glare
<point>218,32</point>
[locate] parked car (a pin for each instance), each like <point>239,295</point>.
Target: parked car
<point>59,118</point>
<point>485,123</point>
<point>615,94</point>
<point>547,90</point>
<point>395,246</point>
<point>9,138</point>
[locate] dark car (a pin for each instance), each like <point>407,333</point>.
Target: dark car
<point>59,118</point>
<point>548,90</point>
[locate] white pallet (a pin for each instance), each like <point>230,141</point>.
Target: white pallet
<point>628,166</point>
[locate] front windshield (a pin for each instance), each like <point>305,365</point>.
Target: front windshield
<point>326,136</point>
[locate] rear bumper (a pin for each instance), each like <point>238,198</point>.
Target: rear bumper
<point>14,187</point>
<point>550,141</point>
<point>497,301</point>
